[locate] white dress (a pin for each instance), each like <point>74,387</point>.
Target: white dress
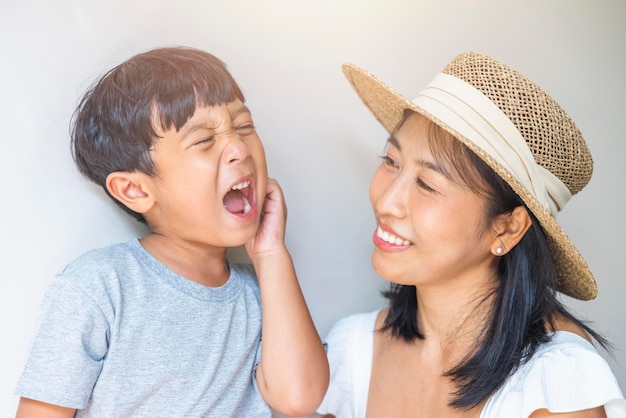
<point>567,374</point>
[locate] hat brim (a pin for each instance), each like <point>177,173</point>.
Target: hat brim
<point>574,277</point>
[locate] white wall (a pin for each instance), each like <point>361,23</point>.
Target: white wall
<point>321,142</point>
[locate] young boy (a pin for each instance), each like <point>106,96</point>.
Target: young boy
<point>165,326</point>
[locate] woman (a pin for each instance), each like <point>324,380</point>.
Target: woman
<point>474,172</point>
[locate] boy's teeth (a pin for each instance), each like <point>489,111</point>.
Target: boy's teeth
<point>242,185</point>
<point>246,207</point>
<point>390,238</point>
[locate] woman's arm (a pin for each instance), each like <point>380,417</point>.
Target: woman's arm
<point>30,408</point>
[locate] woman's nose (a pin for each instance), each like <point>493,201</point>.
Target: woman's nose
<point>390,198</point>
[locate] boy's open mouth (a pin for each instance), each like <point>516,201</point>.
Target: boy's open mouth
<point>236,200</point>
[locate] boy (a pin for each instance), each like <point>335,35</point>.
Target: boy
<point>164,326</point>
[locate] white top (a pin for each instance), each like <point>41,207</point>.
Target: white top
<point>565,375</point>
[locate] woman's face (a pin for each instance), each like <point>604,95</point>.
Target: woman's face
<point>431,228</point>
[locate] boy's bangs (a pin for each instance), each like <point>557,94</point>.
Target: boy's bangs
<point>189,85</point>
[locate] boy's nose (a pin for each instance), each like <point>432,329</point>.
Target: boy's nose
<point>235,149</point>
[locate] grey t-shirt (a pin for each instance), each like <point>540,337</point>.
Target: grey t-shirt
<point>121,335</point>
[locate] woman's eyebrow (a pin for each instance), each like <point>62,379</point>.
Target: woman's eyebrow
<point>438,168</point>
<point>392,140</point>
<point>434,166</point>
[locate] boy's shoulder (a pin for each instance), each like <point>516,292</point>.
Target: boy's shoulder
<point>127,265</point>
<point>99,258</point>
<point>103,266</point>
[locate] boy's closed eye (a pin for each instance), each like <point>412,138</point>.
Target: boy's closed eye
<point>241,130</point>
<point>204,141</point>
<point>245,129</point>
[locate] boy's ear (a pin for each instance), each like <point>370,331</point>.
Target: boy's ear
<point>132,189</point>
<point>510,228</point>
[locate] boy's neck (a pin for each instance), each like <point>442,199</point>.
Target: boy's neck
<point>204,265</point>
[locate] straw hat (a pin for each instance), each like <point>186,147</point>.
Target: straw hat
<point>516,128</point>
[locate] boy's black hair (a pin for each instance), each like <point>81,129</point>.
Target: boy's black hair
<point>525,301</point>
<point>113,125</point>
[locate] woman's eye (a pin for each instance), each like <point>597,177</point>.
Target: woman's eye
<point>425,186</point>
<point>387,160</point>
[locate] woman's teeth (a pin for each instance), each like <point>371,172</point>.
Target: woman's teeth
<point>390,238</point>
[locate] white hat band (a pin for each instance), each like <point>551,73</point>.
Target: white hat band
<point>470,113</point>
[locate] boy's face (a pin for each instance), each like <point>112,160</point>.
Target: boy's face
<point>211,178</point>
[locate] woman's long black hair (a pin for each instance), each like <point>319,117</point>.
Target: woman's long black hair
<point>525,301</point>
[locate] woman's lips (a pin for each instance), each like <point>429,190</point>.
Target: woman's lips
<point>388,240</point>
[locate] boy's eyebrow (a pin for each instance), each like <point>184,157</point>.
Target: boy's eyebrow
<point>238,111</point>
<point>242,109</point>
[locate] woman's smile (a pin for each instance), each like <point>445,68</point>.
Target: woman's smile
<point>388,240</point>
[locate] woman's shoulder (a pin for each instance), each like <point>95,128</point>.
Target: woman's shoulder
<point>350,345</point>
<point>565,374</point>
<point>357,322</point>
<point>350,333</point>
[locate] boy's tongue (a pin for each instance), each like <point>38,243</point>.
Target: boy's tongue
<point>234,201</point>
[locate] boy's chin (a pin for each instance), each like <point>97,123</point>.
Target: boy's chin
<point>242,235</point>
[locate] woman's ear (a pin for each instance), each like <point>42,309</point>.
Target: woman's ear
<point>510,229</point>
<point>131,189</point>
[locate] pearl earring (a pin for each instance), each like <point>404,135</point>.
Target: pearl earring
<point>499,250</point>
